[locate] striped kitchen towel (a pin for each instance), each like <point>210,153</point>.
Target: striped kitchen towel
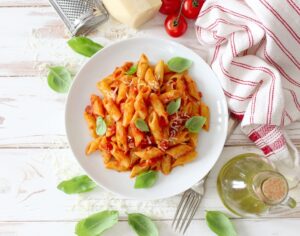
<point>254,48</point>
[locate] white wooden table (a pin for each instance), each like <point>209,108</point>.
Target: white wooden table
<point>34,154</point>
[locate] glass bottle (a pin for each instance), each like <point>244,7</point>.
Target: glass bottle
<point>250,186</point>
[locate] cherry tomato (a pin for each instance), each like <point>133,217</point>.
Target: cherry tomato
<point>191,8</point>
<point>169,6</point>
<point>175,26</point>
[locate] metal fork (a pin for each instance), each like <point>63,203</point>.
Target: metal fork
<point>192,197</point>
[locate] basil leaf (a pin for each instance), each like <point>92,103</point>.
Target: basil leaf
<point>97,223</point>
<point>132,70</point>
<point>59,79</point>
<point>100,126</point>
<point>174,106</point>
<point>142,225</point>
<point>219,223</point>
<point>79,184</point>
<point>195,124</point>
<point>84,46</point>
<point>179,64</point>
<point>146,179</point>
<point>141,125</point>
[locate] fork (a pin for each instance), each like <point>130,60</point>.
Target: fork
<point>192,197</point>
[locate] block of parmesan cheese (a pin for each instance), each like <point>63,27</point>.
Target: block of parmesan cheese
<point>132,12</point>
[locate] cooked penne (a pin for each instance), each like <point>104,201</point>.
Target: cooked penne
<point>92,146</point>
<point>136,134</point>
<point>91,122</point>
<point>159,71</point>
<point>142,66</point>
<point>128,111</point>
<point>169,96</point>
<point>140,106</point>
<point>155,127</point>
<point>149,153</point>
<point>185,159</point>
<point>158,107</point>
<point>160,140</point>
<point>112,109</point>
<point>121,136</point>
<point>204,111</point>
<point>151,80</point>
<point>97,106</point>
<point>121,97</point>
<point>138,169</point>
<point>166,164</point>
<point>192,88</point>
<point>120,156</point>
<point>179,150</point>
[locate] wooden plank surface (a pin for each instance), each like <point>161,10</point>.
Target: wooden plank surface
<point>28,180</point>
<point>266,227</point>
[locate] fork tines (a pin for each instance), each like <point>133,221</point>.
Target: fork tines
<point>186,210</point>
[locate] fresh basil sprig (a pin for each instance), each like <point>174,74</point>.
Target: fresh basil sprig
<point>174,106</point>
<point>219,223</point>
<point>100,126</point>
<point>195,124</point>
<point>179,64</point>
<point>59,79</point>
<point>79,184</point>
<point>141,125</point>
<point>146,179</point>
<point>132,70</point>
<point>96,224</point>
<point>142,225</point>
<point>84,46</point>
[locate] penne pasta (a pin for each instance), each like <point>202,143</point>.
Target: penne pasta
<point>112,109</point>
<point>121,97</point>
<point>128,111</point>
<point>188,157</point>
<point>159,107</point>
<point>155,127</point>
<point>151,80</point>
<point>169,96</point>
<point>149,153</point>
<point>204,111</point>
<point>159,72</point>
<point>121,136</point>
<point>143,125</point>
<point>179,150</point>
<point>192,88</point>
<point>142,66</point>
<point>166,164</point>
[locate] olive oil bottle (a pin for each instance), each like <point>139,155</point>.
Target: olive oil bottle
<point>250,186</point>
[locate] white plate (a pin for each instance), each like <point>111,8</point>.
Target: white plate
<point>103,63</point>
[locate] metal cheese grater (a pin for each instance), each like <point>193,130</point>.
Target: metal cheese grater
<point>80,16</point>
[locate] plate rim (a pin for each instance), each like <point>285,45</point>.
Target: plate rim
<point>67,104</point>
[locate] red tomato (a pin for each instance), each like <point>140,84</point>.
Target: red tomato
<point>169,6</point>
<point>191,8</point>
<point>175,26</point>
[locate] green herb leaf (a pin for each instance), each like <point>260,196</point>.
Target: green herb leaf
<point>59,79</point>
<point>100,126</point>
<point>79,184</point>
<point>174,106</point>
<point>141,125</point>
<point>142,225</point>
<point>132,70</point>
<point>146,179</point>
<point>97,223</point>
<point>179,64</point>
<point>195,124</point>
<point>219,223</point>
<point>84,46</point>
